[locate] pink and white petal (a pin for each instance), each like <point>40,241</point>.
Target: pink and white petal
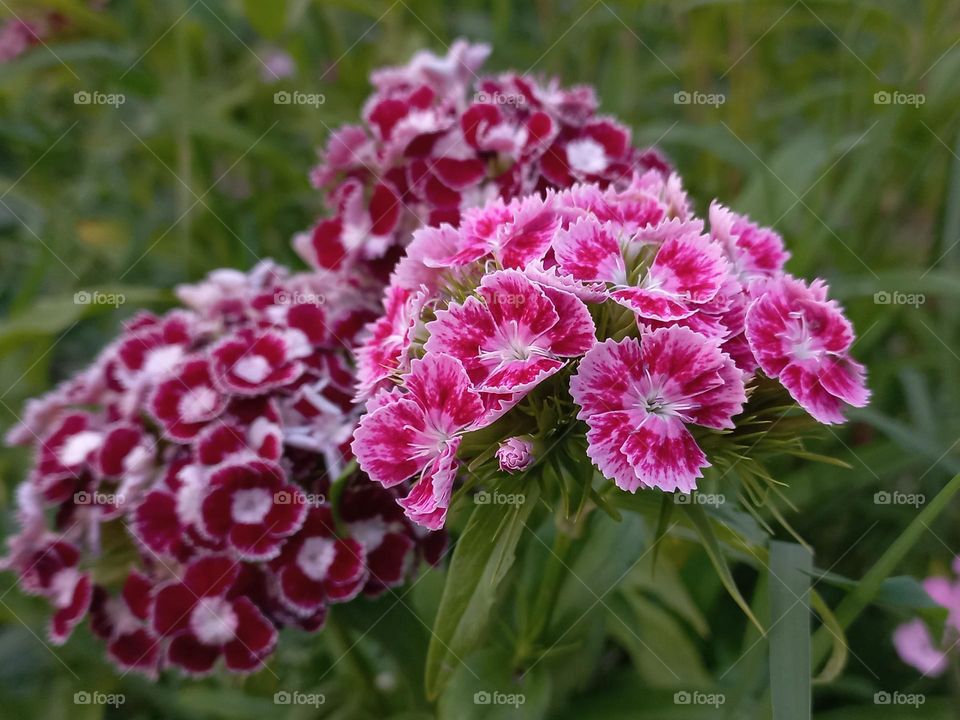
<point>156,523</point>
<point>301,594</point>
<point>588,251</point>
<point>528,236</point>
<point>664,454</point>
<point>520,376</point>
<point>846,379</point>
<point>384,442</point>
<point>804,387</point>
<point>256,638</point>
<point>427,502</point>
<point>440,385</point>
<point>602,381</point>
<point>254,543</point>
<point>692,267</point>
<point>654,304</point>
<point>65,619</point>
<point>511,297</point>
<point>575,332</point>
<point>460,331</point>
<point>717,407</point>
<point>605,439</point>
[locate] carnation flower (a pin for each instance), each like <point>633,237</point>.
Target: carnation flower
<point>610,304</point>
<point>207,440</point>
<point>913,640</point>
<point>803,339</point>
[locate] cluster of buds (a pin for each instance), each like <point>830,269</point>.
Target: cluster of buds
<point>609,320</point>
<point>180,493</point>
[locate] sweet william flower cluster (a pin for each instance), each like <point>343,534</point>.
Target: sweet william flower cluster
<point>437,138</point>
<point>179,496</point>
<point>612,314</point>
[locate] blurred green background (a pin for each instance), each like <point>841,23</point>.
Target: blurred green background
<point>199,169</point>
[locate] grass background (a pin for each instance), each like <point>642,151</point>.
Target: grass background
<point>199,169</point>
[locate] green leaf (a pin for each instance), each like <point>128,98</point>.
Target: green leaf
<point>481,559</point>
<point>485,687</point>
<point>838,657</point>
<point>267,18</point>
<point>790,566</point>
<point>711,545</point>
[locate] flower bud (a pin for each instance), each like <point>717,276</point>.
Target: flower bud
<point>515,454</point>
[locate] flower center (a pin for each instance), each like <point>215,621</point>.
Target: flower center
<point>251,506</point>
<point>198,403</point>
<point>76,449</point>
<point>252,368</point>
<point>369,533</point>
<point>161,360</point>
<point>213,621</point>
<point>316,557</point>
<point>587,156</point>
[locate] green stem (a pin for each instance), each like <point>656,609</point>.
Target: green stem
<point>345,651</point>
<point>549,587</point>
<point>863,594</point>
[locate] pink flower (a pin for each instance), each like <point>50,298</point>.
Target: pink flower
<point>65,457</point>
<point>803,339</point>
<point>515,454</point>
<point>241,508</point>
<point>418,433</point>
<point>514,234</point>
<point>915,647</point>
<point>686,271</point>
<point>184,404</point>
<point>203,620</point>
<point>753,251</point>
<point>123,622</point>
<point>639,397</point>
<point>515,335</point>
<point>385,351</point>
<point>52,572</point>
<point>253,364</point>
<point>316,567</point>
